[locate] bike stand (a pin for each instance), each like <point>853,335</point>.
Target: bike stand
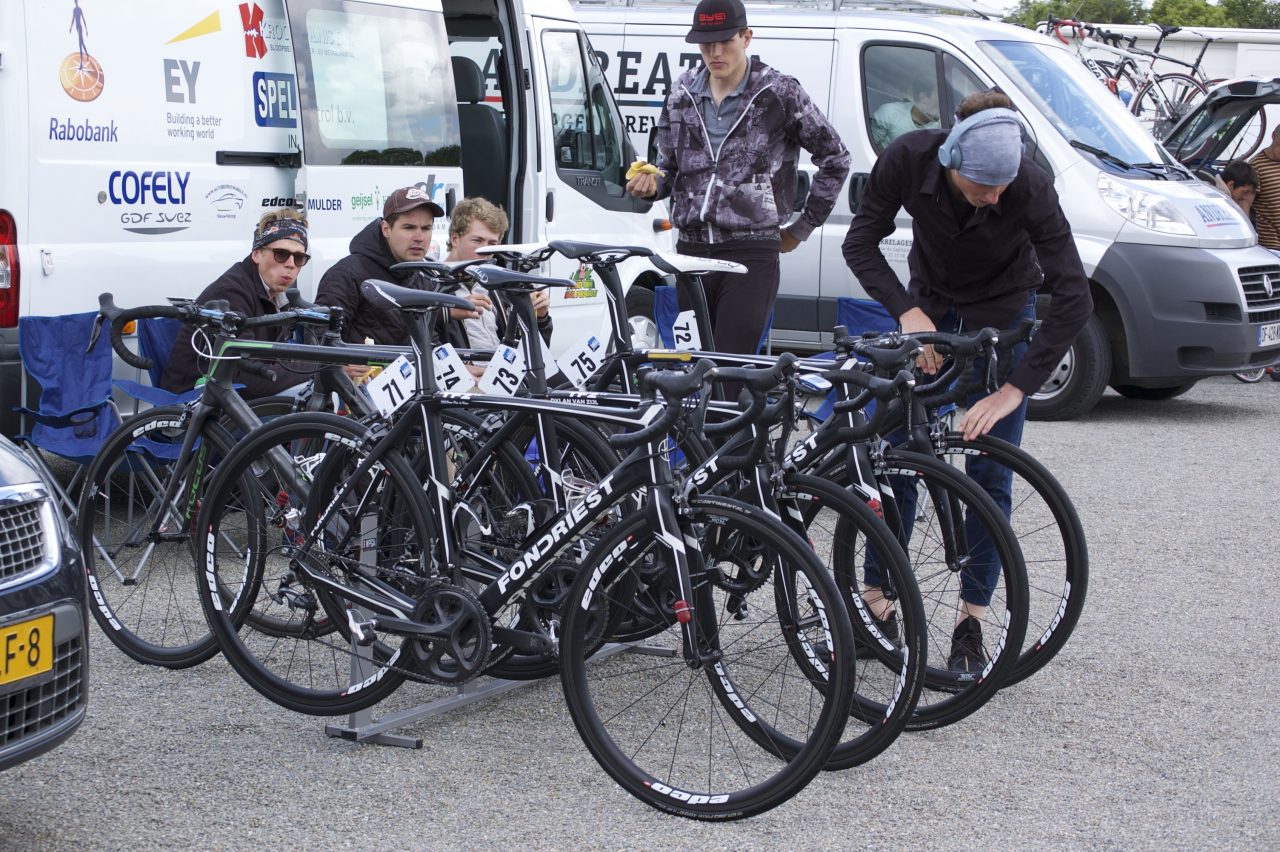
<point>362,727</point>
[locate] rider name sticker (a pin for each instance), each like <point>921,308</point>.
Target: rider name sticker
<point>505,372</point>
<point>685,331</point>
<point>581,362</point>
<point>451,373</point>
<point>391,389</point>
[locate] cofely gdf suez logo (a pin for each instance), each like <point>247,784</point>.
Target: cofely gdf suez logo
<point>275,99</point>
<point>150,202</point>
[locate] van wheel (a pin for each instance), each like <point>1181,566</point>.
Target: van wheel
<point>1077,383</point>
<point>1168,392</point>
<point>644,331</point>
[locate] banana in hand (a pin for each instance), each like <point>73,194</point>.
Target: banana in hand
<point>640,167</point>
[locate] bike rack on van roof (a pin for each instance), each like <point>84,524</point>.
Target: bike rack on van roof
<point>928,7</point>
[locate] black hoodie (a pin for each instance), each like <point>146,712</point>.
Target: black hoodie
<point>370,257</point>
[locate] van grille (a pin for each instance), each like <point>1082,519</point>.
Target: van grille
<point>21,540</point>
<point>28,712</point>
<point>1263,306</point>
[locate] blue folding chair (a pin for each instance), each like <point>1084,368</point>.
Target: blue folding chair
<point>156,336</point>
<point>666,308</point>
<point>75,413</point>
<point>857,315</point>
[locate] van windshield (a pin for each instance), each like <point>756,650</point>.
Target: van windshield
<point>376,84</point>
<point>1079,108</point>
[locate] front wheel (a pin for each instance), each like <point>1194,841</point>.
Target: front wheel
<point>1078,381</point>
<point>1162,103</point>
<point>745,726</point>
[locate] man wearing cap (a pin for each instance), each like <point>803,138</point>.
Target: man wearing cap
<point>402,234</point>
<point>729,139</point>
<point>254,287</point>
<point>988,233</point>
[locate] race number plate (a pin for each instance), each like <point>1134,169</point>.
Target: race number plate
<point>26,649</point>
<point>1269,334</point>
<point>581,362</point>
<point>505,372</point>
<point>685,331</point>
<point>393,387</point>
<point>451,373</point>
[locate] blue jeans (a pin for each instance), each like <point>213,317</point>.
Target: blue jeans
<point>981,575</point>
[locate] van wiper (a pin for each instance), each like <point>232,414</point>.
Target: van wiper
<point>1102,155</point>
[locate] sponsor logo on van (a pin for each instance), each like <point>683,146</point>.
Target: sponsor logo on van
<point>80,74</point>
<point>1215,215</point>
<point>140,190</point>
<point>227,200</point>
<point>275,99</point>
<point>584,285</point>
<point>83,131</point>
<point>260,35</point>
<point>328,204</point>
<point>279,201</point>
<point>211,23</point>
<point>180,81</point>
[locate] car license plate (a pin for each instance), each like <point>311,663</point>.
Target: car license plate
<point>26,648</point>
<point>1269,334</point>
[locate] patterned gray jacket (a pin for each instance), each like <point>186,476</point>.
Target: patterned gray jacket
<point>747,189</point>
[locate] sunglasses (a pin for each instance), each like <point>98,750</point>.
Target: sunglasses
<point>300,258</point>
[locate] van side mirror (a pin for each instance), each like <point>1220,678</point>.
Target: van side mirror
<point>857,183</point>
<point>803,182</point>
<point>651,150</point>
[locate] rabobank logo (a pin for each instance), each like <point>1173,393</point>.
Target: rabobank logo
<point>275,99</point>
<point>80,74</point>
<point>81,131</point>
<point>152,202</point>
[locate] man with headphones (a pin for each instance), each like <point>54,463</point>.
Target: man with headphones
<point>988,233</point>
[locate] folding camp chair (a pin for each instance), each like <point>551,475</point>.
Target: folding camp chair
<point>74,414</point>
<point>156,336</point>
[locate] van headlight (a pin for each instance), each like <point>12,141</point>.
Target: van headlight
<point>1143,208</point>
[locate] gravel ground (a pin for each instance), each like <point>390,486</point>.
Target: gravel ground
<point>1153,729</point>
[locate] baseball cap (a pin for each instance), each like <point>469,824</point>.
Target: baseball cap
<point>716,20</point>
<point>407,198</point>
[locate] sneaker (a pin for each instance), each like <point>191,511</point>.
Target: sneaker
<point>888,627</point>
<point>968,656</point>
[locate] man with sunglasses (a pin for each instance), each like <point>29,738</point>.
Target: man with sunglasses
<point>254,287</point>
<point>402,234</point>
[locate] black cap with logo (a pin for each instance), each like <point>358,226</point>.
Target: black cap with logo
<point>716,20</point>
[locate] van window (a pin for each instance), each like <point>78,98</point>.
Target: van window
<point>901,89</point>
<point>588,129</point>
<point>376,85</point>
<point>960,84</point>
<point>1070,97</point>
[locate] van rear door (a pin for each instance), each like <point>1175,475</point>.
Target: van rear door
<point>375,96</point>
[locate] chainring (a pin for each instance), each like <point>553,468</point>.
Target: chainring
<point>463,651</point>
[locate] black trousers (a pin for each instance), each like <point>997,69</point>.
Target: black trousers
<point>739,303</point>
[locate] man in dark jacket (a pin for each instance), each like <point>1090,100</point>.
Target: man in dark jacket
<point>402,234</point>
<point>254,287</point>
<point>988,233</point>
<point>729,139</point>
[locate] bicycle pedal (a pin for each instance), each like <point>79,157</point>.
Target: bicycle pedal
<point>361,631</point>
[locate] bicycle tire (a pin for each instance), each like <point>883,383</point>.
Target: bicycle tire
<point>1162,101</point>
<point>142,587</point>
<point>888,674</point>
<point>741,702</point>
<point>948,697</point>
<point>1250,377</point>
<point>1053,545</point>
<point>309,669</point>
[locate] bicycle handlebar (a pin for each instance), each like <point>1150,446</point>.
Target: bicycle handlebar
<point>674,388</point>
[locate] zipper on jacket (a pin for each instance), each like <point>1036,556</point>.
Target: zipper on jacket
<point>715,155</point>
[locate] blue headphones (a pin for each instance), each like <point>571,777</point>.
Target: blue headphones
<point>949,153</point>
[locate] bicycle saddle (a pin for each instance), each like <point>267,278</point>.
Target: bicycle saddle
<point>691,265</point>
<point>595,252</point>
<point>497,278</point>
<point>391,296</point>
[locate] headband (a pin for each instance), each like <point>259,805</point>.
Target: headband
<point>282,229</point>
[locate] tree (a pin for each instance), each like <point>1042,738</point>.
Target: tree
<point>1187,13</point>
<point>1252,14</point>
<point>1030,12</point>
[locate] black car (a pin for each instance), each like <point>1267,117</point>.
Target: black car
<point>44,653</point>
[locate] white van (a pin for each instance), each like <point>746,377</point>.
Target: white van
<point>141,142</point>
<point>1182,290</point>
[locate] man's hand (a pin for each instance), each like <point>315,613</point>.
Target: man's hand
<point>644,185</point>
<point>789,243</point>
<point>481,304</point>
<point>357,371</point>
<point>541,302</point>
<point>915,321</point>
<point>990,410</point>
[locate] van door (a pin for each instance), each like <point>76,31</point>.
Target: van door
<point>585,153</point>
<point>376,99</point>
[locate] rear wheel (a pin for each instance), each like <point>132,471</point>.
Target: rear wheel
<point>1250,376</point>
<point>1162,102</point>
